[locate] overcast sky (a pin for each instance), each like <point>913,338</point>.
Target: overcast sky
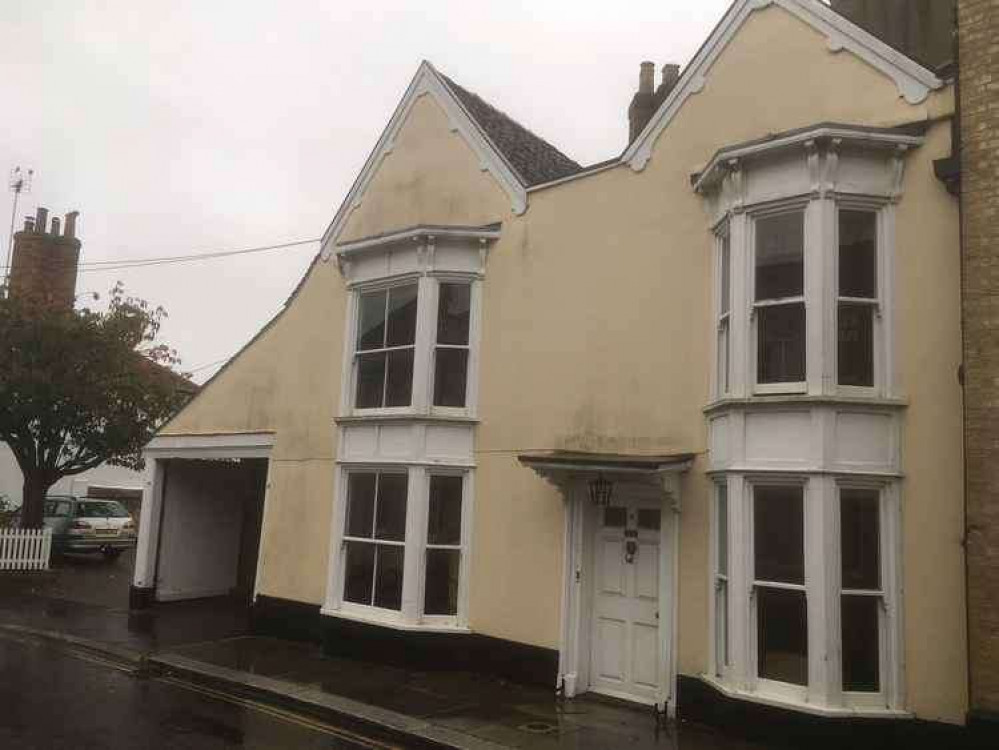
<point>184,127</point>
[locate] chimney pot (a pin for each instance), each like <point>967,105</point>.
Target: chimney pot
<point>646,77</point>
<point>71,224</point>
<point>41,220</point>
<point>29,223</point>
<point>671,74</point>
<point>55,226</point>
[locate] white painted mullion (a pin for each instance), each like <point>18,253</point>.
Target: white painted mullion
<point>740,561</point>
<point>465,564</point>
<point>740,328</point>
<point>426,335</point>
<point>416,536</point>
<point>816,300</point>
<point>822,576</point>
<point>887,379</point>
<point>474,348</point>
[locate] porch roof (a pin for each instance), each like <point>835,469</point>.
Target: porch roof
<point>609,462</point>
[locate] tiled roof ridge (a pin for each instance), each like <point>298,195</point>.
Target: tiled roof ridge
<point>533,158</point>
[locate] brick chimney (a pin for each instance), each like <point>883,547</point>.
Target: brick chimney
<point>646,101</point>
<point>44,263</point>
<point>919,28</point>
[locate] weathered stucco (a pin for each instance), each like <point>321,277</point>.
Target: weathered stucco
<point>431,176</point>
<point>597,335</point>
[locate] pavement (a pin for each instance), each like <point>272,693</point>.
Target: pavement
<point>81,608</point>
<point>52,698</point>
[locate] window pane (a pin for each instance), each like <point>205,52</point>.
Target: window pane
<point>726,270</point>
<point>360,504</point>
<point>390,519</point>
<point>781,351</point>
<point>444,520</point>
<point>370,380</point>
<point>782,623</point>
<point>388,578</point>
<point>615,517</point>
<point>855,355</point>
<point>453,306</point>
<point>441,592</point>
<point>722,529</point>
<point>371,321</point>
<point>778,524</point>
<point>858,254</point>
<point>399,388</point>
<point>649,519</point>
<point>450,370</point>
<point>860,542</point>
<point>861,636</point>
<point>401,316</point>
<point>780,268</point>
<point>358,571</point>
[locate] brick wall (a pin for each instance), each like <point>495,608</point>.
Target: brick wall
<point>978,36</point>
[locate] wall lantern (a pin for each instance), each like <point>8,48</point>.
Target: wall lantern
<point>601,490</point>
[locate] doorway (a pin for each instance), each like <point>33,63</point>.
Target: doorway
<point>626,644</point>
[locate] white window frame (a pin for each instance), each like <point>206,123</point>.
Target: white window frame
<point>824,692</point>
<point>889,642</point>
<point>791,206</point>
<point>410,616</point>
<point>425,346</point>
<point>774,687</point>
<point>879,333</point>
<point>723,312</point>
<point>721,617</point>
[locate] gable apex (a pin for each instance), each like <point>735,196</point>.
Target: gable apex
<point>914,82</point>
<point>428,82</point>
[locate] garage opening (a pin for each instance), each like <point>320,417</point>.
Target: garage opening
<point>209,532</point>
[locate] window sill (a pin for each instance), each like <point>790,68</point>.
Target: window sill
<point>730,402</point>
<point>781,701</point>
<point>404,416</point>
<point>393,623</point>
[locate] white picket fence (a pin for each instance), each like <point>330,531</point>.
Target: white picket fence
<point>25,549</point>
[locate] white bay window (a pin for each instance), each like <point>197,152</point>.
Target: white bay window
<point>805,420</point>
<point>406,429</point>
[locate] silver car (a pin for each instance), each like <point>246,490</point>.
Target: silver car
<point>89,525</point>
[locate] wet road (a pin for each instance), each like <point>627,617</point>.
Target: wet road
<point>52,699</point>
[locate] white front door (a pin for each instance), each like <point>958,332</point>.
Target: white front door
<point>625,640</point>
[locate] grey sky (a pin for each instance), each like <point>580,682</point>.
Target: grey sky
<point>181,127</point>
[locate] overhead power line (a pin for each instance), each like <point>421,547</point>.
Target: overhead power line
<point>124,263</point>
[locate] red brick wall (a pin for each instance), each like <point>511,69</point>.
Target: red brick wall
<point>978,36</point>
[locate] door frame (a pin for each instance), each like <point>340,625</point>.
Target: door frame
<point>577,595</point>
<point>163,448</point>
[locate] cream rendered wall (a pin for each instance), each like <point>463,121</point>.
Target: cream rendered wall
<point>431,177</point>
<point>580,351</point>
<point>287,381</point>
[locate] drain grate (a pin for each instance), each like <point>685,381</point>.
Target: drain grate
<point>538,727</point>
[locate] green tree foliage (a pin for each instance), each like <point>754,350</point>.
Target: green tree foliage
<point>81,387</point>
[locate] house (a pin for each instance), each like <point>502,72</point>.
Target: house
<point>684,427</point>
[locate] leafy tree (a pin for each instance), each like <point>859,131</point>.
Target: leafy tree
<point>81,387</point>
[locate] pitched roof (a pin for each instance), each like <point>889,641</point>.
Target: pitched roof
<point>533,158</point>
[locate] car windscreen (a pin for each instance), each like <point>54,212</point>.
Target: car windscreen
<point>100,509</point>
<point>56,508</point>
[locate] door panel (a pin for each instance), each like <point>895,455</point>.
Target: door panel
<point>625,625</point>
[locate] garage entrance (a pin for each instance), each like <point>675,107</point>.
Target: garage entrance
<point>209,531</point>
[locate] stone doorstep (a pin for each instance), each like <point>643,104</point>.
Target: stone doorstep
<point>122,656</point>
<point>369,721</point>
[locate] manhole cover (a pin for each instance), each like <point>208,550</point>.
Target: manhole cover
<point>538,727</point>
